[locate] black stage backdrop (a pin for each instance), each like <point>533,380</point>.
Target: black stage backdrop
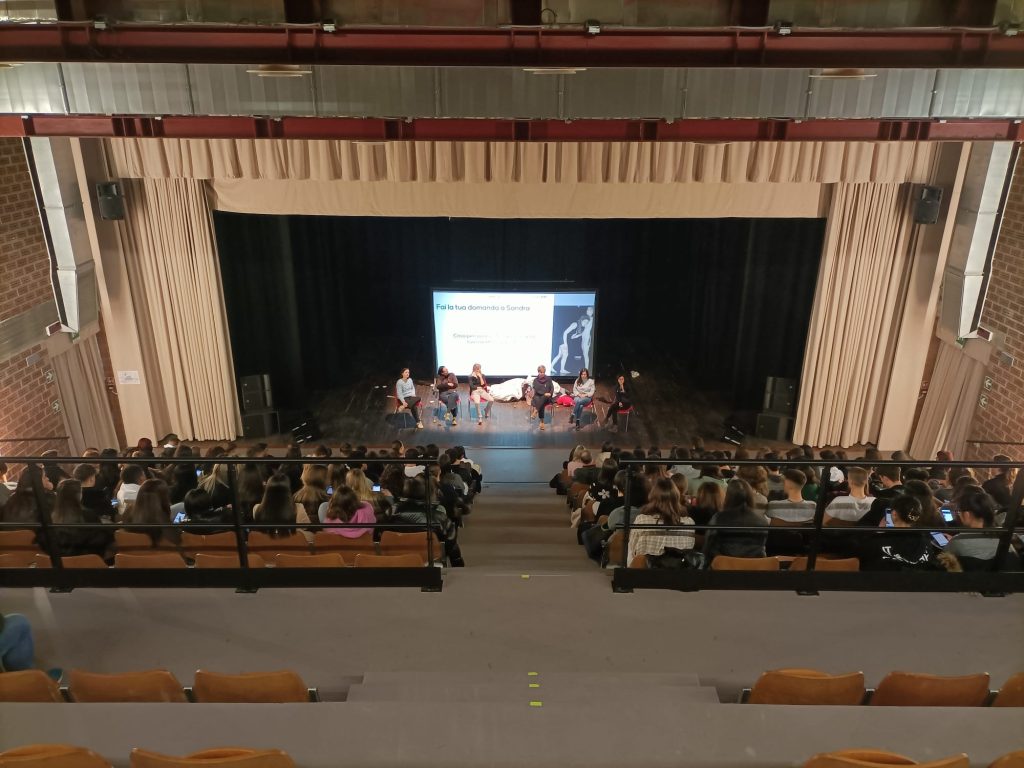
<point>317,301</point>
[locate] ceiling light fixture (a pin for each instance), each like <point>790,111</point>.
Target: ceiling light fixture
<point>279,70</point>
<point>843,73</point>
<point>554,70</point>
<point>783,28</point>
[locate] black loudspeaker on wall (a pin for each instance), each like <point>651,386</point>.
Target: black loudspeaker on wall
<point>779,395</point>
<point>110,200</point>
<point>256,392</point>
<point>926,207</point>
<point>774,426</point>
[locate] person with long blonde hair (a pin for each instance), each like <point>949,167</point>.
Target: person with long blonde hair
<point>479,390</point>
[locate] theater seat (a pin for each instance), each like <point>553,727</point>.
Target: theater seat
<point>250,688</point>
<point>155,685</point>
<point>28,686</point>
<point>826,564</point>
<point>51,756</point>
<point>1010,760</point>
<point>227,757</point>
<point>909,689</point>
<point>807,686</point>
<point>265,544</point>
<point>18,542</point>
<point>409,560</point>
<point>72,561</point>
<point>322,560</point>
<point>149,560</point>
<point>225,560</point>
<point>394,543</point>
<point>1012,692</point>
<point>346,547</point>
<point>130,541</point>
<point>865,758</point>
<point>726,563</point>
<point>18,559</point>
<point>213,543</point>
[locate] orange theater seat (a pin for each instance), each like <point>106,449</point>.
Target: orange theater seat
<point>155,685</point>
<point>149,560</point>
<point>212,543</point>
<point>866,758</point>
<point>1012,692</point>
<point>265,544</point>
<point>909,689</point>
<point>51,756</point>
<point>215,758</point>
<point>726,563</point>
<point>389,561</point>
<point>72,561</point>
<point>223,560</point>
<point>807,686</point>
<point>250,688</point>
<point>322,560</point>
<point>348,548</point>
<point>28,686</point>
<point>394,543</point>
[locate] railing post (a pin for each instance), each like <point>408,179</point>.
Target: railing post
<point>824,488</point>
<point>240,543</point>
<point>1010,523</point>
<point>429,510</point>
<point>626,522</point>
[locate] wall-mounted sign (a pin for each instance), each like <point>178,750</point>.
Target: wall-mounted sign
<point>128,377</point>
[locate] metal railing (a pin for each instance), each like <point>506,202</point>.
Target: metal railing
<point>810,581</point>
<point>243,577</point>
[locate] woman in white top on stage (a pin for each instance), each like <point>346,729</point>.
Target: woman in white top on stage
<point>582,395</point>
<point>478,390</point>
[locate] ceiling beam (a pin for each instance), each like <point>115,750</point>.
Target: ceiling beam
<point>373,129</point>
<point>510,46</point>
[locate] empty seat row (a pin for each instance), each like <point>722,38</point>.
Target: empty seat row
<point>900,689</point>
<point>65,756</point>
<point>156,685</point>
<point>203,560</point>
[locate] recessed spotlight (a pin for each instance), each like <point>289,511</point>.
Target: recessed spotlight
<point>554,70</point>
<point>843,73</point>
<point>279,70</point>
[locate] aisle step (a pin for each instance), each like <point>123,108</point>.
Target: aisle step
<point>470,677</point>
<point>638,695</point>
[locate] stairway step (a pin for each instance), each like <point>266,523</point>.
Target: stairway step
<point>628,696</point>
<point>606,679</point>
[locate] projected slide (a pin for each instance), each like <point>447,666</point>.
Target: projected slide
<point>511,333</point>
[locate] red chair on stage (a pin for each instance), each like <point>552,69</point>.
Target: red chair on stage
<point>625,412</point>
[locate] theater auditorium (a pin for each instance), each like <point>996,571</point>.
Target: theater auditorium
<point>511,383</point>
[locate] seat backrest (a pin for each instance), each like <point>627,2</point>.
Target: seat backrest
<point>321,560</point>
<point>154,685</point>
<point>614,548</point>
<point>24,559</point>
<point>72,561</point>
<point>219,543</point>
<point>225,560</point>
<point>1012,692</point>
<point>264,543</point>
<point>215,758</point>
<point>726,563</point>
<point>409,560</point>
<point>638,561</point>
<point>861,758</point>
<point>395,543</point>
<point>332,542</point>
<point>910,689</point>
<point>20,540</point>
<point>148,560</point>
<point>133,541</point>
<point>1010,760</point>
<point>807,686</point>
<point>51,756</point>
<point>250,688</point>
<point>28,686</point>
<point>825,564</point>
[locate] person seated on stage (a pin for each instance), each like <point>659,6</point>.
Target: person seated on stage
<point>543,393</point>
<point>582,395</point>
<point>847,510</point>
<point>663,507</point>
<point>621,401</point>
<point>738,510</point>
<point>346,507</point>
<point>405,392</point>
<point>415,508</point>
<point>447,386</point>
<point>478,390</point>
<point>278,507</point>
<point>587,472</point>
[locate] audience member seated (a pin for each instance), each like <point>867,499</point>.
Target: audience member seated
<point>33,489</point>
<point>847,510</point>
<point>249,481</point>
<point>663,507</point>
<point>415,508</point>
<point>68,511</point>
<point>346,507</point>
<point>96,504</point>
<point>738,510</point>
<point>776,483</point>
<point>279,508</point>
<point>975,551</point>
<point>198,508</point>
<point>956,477</point>
<point>357,480</point>
<point>294,471</point>
<point>5,492</point>
<point>707,503</point>
<point>909,551</point>
<point>152,506</point>
<point>691,473</point>
<point>794,510</point>
<point>889,487</point>
<point>1000,487</point>
<point>594,539</point>
<point>132,478</point>
<point>757,477</point>
<point>920,490</point>
<point>313,492</point>
<point>216,484</point>
<point>587,472</point>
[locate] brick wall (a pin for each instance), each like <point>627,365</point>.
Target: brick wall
<point>27,399</point>
<point>24,267</point>
<point>1002,418</point>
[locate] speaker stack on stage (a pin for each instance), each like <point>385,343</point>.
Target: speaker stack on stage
<point>259,419</point>
<point>775,422</point>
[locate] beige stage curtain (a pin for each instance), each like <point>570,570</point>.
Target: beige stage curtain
<point>950,403</point>
<point>607,162</point>
<point>172,264</point>
<point>520,201</point>
<point>83,395</point>
<point>856,317</point>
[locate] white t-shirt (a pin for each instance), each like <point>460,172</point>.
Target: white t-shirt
<point>127,492</point>
<point>792,511</point>
<point>848,508</point>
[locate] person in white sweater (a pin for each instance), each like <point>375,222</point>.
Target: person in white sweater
<point>582,395</point>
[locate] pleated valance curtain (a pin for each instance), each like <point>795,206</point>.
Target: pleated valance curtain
<point>855,321</point>
<point>949,406</point>
<point>171,257</point>
<point>83,394</point>
<point>599,162</point>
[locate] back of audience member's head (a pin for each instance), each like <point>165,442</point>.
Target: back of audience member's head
<point>586,457</point>
<point>889,472</point>
<point>133,474</point>
<point>343,505</point>
<point>196,502</point>
<point>907,509</point>
<point>679,480</point>
<point>608,469</point>
<point>954,475</point>
<point>415,488</point>
<point>663,502</point>
<point>796,454</point>
<point>357,480</point>
<point>770,462</point>
<point>920,490</point>
<point>85,474</point>
<point>857,476</point>
<point>872,454</point>
<point>607,446</point>
<point>977,510</point>
<point>710,496</point>
<point>639,490</point>
<point>68,505</point>
<point>315,476</point>
<point>738,494</point>
<point>412,454</point>
<point>795,477</point>
<point>277,505</point>
<point>322,452</point>
<point>915,473</point>
<point>151,507</point>
<point>900,456</point>
<point>681,454</point>
<point>392,479</point>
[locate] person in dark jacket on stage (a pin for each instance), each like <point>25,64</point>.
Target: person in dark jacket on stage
<point>543,392</point>
<point>447,386</point>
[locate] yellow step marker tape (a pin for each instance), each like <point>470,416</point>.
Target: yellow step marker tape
<point>536,703</point>
<point>524,576</point>
<point>532,674</point>
<point>534,685</point>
